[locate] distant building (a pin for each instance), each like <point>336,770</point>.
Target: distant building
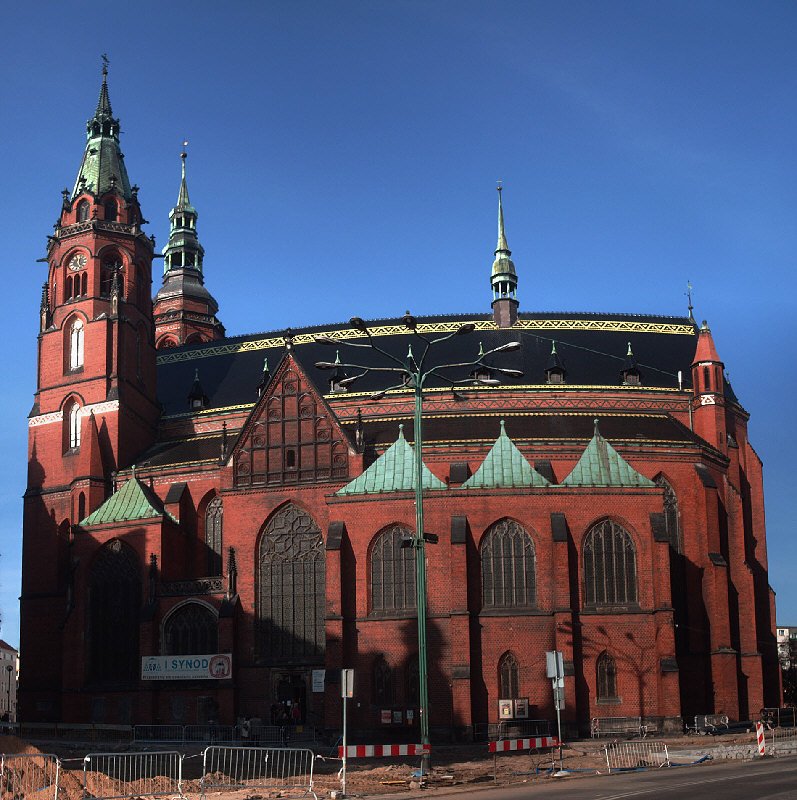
<point>9,672</point>
<point>787,644</point>
<point>213,526</point>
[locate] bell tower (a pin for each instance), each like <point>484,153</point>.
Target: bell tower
<point>503,278</point>
<point>708,402</point>
<point>95,406</point>
<point>185,311</point>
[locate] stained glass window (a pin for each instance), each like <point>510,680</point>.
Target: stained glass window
<point>392,572</point>
<point>508,566</point>
<point>609,565</point>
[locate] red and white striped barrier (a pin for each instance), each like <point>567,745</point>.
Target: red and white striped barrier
<point>507,745</point>
<point>759,732</point>
<point>381,750</point>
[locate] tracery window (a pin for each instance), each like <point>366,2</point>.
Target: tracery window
<point>609,565</point>
<point>76,345</point>
<point>508,566</point>
<point>384,694</point>
<point>606,677</point>
<point>392,572</point>
<point>82,211</point>
<point>508,677</point>
<point>291,588</point>
<point>191,629</point>
<point>214,516</point>
<point>671,521</point>
<point>114,595</point>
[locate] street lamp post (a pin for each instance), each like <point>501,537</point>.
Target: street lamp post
<point>413,374</point>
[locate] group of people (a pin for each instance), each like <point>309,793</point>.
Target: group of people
<point>286,713</point>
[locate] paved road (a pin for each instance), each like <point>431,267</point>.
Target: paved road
<point>770,779</point>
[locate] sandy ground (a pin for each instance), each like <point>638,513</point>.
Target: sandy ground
<point>461,766</point>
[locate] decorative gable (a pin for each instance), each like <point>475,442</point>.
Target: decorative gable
<point>291,436</point>
<point>601,465</point>
<point>504,467</point>
<point>393,471</point>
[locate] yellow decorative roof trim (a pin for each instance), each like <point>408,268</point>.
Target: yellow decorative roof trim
<point>617,325</point>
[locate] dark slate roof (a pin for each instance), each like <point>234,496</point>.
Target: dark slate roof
<point>593,346</point>
<point>182,451</point>
<point>536,426</point>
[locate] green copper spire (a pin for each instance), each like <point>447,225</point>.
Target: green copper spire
<point>504,277</point>
<point>183,202</point>
<point>102,168</point>
<point>183,250</point>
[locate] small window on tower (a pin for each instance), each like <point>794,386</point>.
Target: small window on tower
<point>82,211</point>
<point>290,459</point>
<point>76,345</point>
<point>110,211</point>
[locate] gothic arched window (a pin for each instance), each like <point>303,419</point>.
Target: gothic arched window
<point>73,426</point>
<point>392,572</point>
<point>190,630</point>
<point>671,520</point>
<point>111,264</point>
<point>110,211</point>
<point>508,677</point>
<point>606,677</point>
<point>214,516</point>
<point>291,583</point>
<point>114,602</point>
<point>82,211</point>
<point>76,345</point>
<point>609,565</point>
<point>384,694</point>
<point>508,566</point>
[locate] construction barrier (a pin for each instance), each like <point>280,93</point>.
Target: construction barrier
<point>616,726</point>
<point>278,769</point>
<point>783,740</point>
<point>509,745</point>
<point>384,750</point>
<point>29,776</point>
<point>636,755</point>
<point>759,733</point>
<point>114,776</point>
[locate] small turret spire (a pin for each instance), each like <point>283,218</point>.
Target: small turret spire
<point>104,102</point>
<point>503,278</point>
<point>182,197</point>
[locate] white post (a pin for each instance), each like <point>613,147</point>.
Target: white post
<point>345,742</point>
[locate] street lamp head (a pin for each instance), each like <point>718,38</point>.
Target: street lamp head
<point>326,340</point>
<point>358,323</point>
<point>487,382</point>
<point>468,327</point>
<point>326,365</point>
<point>348,381</point>
<point>378,395</point>
<point>509,347</point>
<point>511,373</point>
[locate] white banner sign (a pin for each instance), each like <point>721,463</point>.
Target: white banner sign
<point>213,667</point>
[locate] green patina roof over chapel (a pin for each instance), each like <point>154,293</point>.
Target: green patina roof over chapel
<point>602,465</point>
<point>133,501</point>
<point>393,471</point>
<point>504,467</point>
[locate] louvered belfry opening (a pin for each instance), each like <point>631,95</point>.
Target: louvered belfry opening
<point>508,566</point>
<point>291,597</point>
<point>114,611</point>
<point>609,566</point>
<point>392,572</point>
<point>191,629</point>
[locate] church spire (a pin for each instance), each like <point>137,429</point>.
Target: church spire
<point>503,278</point>
<point>183,289</point>
<point>102,169</point>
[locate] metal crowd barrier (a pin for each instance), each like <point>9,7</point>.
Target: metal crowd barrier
<point>708,723</point>
<point>614,726</point>
<point>632,755</point>
<point>113,776</point>
<point>232,768</point>
<point>33,775</point>
<point>782,740</point>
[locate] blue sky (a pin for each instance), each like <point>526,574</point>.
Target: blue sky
<point>343,159</point>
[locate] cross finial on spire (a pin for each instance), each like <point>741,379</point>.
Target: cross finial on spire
<point>688,293</point>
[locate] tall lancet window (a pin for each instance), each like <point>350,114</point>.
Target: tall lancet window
<point>671,520</point>
<point>74,426</point>
<point>76,345</point>
<point>214,516</point>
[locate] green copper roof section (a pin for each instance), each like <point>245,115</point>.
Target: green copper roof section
<point>183,201</point>
<point>602,465</point>
<point>103,167</point>
<point>503,266</point>
<point>393,471</point>
<point>133,501</point>
<point>504,467</point>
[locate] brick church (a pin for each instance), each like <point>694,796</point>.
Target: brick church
<point>214,525</point>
